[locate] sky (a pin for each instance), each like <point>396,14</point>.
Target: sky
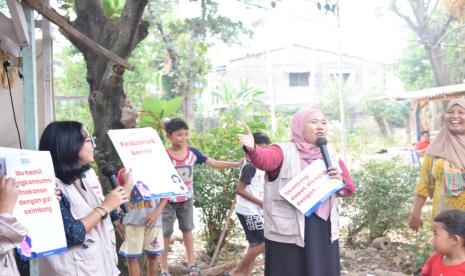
<point>367,30</point>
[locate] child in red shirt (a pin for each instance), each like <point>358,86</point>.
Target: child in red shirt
<point>449,244</point>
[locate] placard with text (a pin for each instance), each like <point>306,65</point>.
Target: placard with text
<point>310,188</point>
<point>142,150</point>
<point>37,207</point>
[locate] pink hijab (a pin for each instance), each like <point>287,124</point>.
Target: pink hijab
<point>308,152</point>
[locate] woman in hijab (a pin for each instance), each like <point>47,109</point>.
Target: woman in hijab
<point>443,171</point>
<point>295,244</point>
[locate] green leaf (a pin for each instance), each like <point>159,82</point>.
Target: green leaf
<point>107,7</point>
<point>145,120</point>
<point>172,106</point>
<point>153,105</point>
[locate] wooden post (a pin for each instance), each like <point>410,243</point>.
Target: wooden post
<point>8,38</point>
<point>56,18</point>
<point>19,22</point>
<point>417,120</point>
<point>223,233</point>
<point>47,66</point>
<point>30,99</point>
<point>30,85</point>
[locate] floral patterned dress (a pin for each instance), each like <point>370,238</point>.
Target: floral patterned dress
<point>443,182</point>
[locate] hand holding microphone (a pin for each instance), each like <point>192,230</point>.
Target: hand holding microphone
<point>119,196</point>
<point>333,172</point>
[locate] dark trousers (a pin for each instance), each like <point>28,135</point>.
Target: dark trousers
<point>319,257</point>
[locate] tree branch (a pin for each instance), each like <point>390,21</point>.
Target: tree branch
<point>90,19</point>
<point>171,53</point>
<point>141,34</point>
<point>407,19</point>
<point>428,18</point>
<point>86,5</point>
<point>447,33</point>
<point>131,28</point>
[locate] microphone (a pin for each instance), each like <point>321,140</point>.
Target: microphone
<point>321,143</point>
<point>109,172</point>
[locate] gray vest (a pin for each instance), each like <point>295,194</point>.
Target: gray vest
<point>98,256</point>
<point>283,222</point>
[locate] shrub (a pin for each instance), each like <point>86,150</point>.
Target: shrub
<point>215,189</point>
<point>385,192</point>
<point>421,249</point>
<point>214,194</point>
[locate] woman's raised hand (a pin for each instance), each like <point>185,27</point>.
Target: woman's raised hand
<point>115,198</point>
<point>247,139</point>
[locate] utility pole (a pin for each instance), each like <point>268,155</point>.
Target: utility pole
<point>341,86</point>
<point>335,9</point>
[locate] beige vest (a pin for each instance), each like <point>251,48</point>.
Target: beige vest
<point>283,222</point>
<point>11,234</point>
<point>98,256</point>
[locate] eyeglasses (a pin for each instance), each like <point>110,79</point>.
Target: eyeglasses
<point>91,140</point>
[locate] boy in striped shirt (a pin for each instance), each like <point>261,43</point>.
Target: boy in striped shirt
<point>182,208</point>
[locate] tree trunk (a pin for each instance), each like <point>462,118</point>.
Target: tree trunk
<point>382,126</point>
<point>189,97</point>
<point>431,33</point>
<point>437,56</point>
<point>408,130</point>
<point>188,109</point>
<point>106,94</point>
<point>105,102</point>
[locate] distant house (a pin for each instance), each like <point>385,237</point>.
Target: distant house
<point>293,75</point>
<point>294,60</point>
<point>297,76</point>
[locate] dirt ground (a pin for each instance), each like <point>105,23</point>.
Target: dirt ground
<point>359,260</point>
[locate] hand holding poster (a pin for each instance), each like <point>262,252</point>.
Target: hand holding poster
<point>141,150</point>
<point>310,188</point>
<point>37,208</point>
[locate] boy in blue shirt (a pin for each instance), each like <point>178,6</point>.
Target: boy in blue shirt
<point>182,208</point>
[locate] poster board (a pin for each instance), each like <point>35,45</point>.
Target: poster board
<point>142,150</point>
<point>310,188</point>
<point>37,208</point>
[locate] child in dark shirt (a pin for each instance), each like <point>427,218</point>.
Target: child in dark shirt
<point>249,204</point>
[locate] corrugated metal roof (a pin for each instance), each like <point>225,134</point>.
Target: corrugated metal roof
<point>434,93</point>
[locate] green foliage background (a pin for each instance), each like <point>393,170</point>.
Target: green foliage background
<point>215,189</point>
<point>414,68</point>
<point>383,198</point>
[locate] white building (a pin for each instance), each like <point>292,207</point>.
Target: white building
<point>293,57</point>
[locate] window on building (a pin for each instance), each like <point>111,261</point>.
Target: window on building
<point>221,71</point>
<point>345,76</point>
<point>299,79</point>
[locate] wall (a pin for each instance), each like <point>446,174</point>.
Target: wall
<point>292,59</point>
<point>9,137</point>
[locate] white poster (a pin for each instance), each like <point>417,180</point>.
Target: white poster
<point>37,207</point>
<point>310,188</point>
<point>142,150</point>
